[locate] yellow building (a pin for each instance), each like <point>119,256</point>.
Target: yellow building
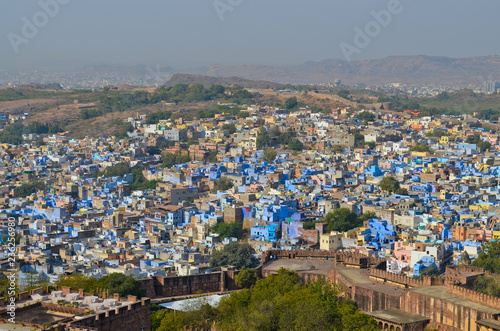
<point>444,140</point>
<point>330,241</point>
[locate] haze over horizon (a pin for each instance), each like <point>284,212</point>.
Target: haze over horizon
<point>281,32</point>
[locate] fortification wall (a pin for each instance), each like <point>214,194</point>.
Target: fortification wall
<point>136,316</point>
<point>481,298</point>
<point>187,285</point>
<point>349,258</point>
<point>465,275</point>
<point>443,312</point>
<point>403,281</point>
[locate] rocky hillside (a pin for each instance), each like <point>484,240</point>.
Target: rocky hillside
<point>226,81</point>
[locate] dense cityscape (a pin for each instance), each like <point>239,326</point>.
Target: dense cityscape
<point>407,200</point>
<point>232,165</point>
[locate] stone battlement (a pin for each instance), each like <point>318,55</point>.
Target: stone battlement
<point>404,281</point>
<point>473,295</point>
<point>347,258</point>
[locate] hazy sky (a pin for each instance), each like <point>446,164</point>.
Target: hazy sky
<point>191,33</point>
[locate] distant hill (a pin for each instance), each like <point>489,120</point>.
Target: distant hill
<point>463,72</point>
<point>208,81</point>
<point>49,86</point>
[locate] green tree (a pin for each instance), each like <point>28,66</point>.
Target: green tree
<point>344,94</point>
<point>401,191</point>
<point>246,278</point>
<point>488,285</point>
<point>342,220</point>
<point>274,131</point>
<point>483,146</point>
<point>263,140</point>
<point>55,129</point>
<point>122,284</point>
<point>359,140</point>
<point>269,155</point>
<point>226,230</point>
<point>337,148</point>
<point>243,114</point>
<point>114,282</point>
<point>29,188</point>
<point>430,271</point>
<point>489,257</point>
<point>353,319</point>
<point>4,287</point>
<point>366,116</point>
<point>212,157</point>
<point>295,145</point>
<point>33,280</point>
<point>420,147</point>
<point>291,103</point>
<point>309,225</point>
<point>140,182</point>
<point>285,137</point>
<point>117,170</point>
<point>442,96</point>
<point>367,216</point>
<point>223,184</point>
<point>171,159</point>
<point>230,126</point>
<point>390,184</point>
<point>77,281</point>
<point>90,113</point>
<point>154,118</point>
<point>235,254</point>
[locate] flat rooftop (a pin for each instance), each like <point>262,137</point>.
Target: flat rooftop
<point>361,278</point>
<point>16,327</point>
<point>41,315</point>
<point>397,316</point>
<point>321,267</point>
<point>439,292</point>
<point>490,323</point>
<point>358,277</point>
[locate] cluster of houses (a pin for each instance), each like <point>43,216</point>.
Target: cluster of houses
<point>83,222</point>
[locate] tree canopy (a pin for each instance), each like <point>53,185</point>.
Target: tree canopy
<point>234,254</point>
<point>296,145</point>
<point>226,230</point>
<point>489,257</point>
<point>154,118</point>
<point>274,137</point>
<point>269,155</point>
<point>480,144</point>
<point>29,188</point>
<point>115,282</point>
<point>230,127</point>
<point>246,278</point>
<point>389,183</point>
<point>366,116</point>
<point>291,103</point>
<point>223,184</point>
<point>342,220</point>
<point>171,159</point>
<point>420,147</point>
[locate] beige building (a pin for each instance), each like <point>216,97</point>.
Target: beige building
<point>330,241</point>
